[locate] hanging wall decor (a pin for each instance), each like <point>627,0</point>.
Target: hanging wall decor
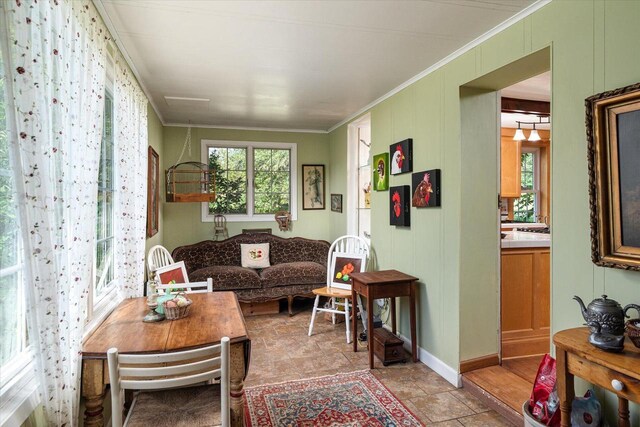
<point>401,154</point>
<point>153,191</point>
<point>381,172</point>
<point>336,203</point>
<point>399,210</point>
<point>426,189</point>
<point>312,187</point>
<point>613,136</point>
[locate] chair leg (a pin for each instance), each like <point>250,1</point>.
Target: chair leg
<point>333,306</point>
<point>347,322</point>
<point>313,314</point>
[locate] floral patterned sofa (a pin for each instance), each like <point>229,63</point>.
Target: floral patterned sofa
<point>298,266</point>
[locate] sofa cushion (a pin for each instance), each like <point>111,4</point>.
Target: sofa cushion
<point>227,277</point>
<point>293,273</point>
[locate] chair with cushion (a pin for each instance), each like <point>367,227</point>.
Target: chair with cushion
<point>162,378</point>
<point>345,245</point>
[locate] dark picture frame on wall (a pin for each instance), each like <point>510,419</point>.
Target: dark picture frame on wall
<point>401,157</point>
<point>613,136</point>
<point>399,205</point>
<point>426,189</point>
<point>153,192</point>
<point>313,184</point>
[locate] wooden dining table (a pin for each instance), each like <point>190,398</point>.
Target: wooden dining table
<point>212,315</point>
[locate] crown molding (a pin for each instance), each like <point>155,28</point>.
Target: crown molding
<point>464,49</point>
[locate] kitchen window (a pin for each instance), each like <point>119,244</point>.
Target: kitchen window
<point>253,180</point>
<point>525,208</point>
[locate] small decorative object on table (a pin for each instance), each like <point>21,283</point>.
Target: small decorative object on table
<point>178,307</point>
<point>152,302</point>
<point>607,313</point>
<point>633,331</point>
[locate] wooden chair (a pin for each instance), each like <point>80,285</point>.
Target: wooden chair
<point>170,405</point>
<point>220,227</point>
<point>353,245</point>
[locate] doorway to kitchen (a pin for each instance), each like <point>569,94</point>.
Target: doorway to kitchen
<point>500,354</point>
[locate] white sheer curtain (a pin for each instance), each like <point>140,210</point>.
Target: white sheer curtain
<point>130,108</point>
<point>57,51</point>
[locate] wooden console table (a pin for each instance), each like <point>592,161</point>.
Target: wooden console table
<point>384,284</point>
<point>213,315</point>
<point>616,372</point>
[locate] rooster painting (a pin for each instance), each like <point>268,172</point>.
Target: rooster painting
<point>381,172</point>
<point>401,155</point>
<point>399,205</point>
<point>396,160</point>
<point>426,189</point>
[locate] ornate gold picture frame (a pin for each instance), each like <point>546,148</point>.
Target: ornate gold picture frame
<point>613,134</point>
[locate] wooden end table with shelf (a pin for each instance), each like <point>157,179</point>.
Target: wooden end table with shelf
<point>384,284</point>
<point>618,373</point>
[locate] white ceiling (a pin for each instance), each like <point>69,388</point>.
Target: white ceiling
<point>288,64</point>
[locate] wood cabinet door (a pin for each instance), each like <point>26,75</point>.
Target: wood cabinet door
<point>510,151</point>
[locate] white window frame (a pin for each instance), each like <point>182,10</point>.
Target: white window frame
<point>536,180</point>
<point>250,146</point>
<point>18,384</point>
<point>99,308</point>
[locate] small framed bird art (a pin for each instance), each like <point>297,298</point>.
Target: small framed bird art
<point>399,206</point>
<point>381,172</point>
<point>426,189</point>
<point>401,154</point>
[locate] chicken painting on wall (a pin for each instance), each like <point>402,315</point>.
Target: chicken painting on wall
<point>426,189</point>
<point>401,154</point>
<point>399,205</point>
<point>381,172</point>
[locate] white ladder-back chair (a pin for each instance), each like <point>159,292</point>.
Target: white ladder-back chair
<point>347,245</point>
<point>166,405</point>
<point>160,257</point>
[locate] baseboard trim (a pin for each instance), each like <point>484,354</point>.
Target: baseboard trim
<point>445,371</point>
<point>479,363</point>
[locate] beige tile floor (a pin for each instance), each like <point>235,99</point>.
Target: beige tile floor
<point>282,351</point>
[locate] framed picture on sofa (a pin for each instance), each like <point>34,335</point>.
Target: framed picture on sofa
<point>342,265</point>
<point>173,273</point>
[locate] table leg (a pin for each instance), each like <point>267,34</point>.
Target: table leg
<point>566,392</point>
<point>93,388</point>
<point>392,307</point>
<point>354,324</point>
<point>236,378</point>
<point>623,413</point>
<point>412,321</point>
<point>370,329</point>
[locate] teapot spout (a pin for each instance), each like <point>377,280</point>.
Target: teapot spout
<point>582,307</point>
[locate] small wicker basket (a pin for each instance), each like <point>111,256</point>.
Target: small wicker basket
<point>633,331</point>
<point>174,313</point>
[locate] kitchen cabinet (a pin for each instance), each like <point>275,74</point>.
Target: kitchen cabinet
<point>524,301</point>
<point>510,151</point>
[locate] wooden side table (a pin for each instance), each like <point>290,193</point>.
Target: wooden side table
<point>384,284</point>
<point>616,372</point>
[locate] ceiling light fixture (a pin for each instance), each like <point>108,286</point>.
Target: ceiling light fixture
<point>534,136</point>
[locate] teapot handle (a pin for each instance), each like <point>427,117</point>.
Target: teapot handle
<point>627,307</point>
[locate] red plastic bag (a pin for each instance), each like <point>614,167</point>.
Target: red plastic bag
<point>544,410</point>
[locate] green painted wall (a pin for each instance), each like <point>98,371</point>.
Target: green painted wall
<point>182,222</point>
<point>156,135</point>
<point>338,182</point>
<point>593,47</point>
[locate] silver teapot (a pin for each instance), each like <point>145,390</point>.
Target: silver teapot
<point>605,313</point>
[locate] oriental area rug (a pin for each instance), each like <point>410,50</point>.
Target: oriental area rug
<point>350,399</point>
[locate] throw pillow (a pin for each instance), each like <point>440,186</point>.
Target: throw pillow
<point>255,256</point>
